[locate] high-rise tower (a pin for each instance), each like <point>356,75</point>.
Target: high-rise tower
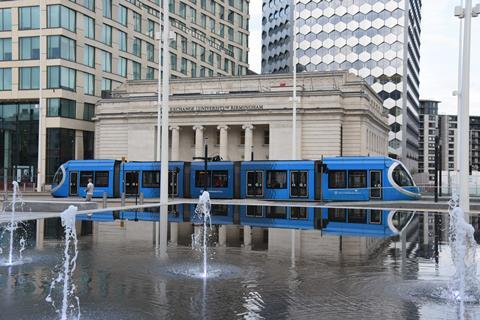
<point>378,40</point>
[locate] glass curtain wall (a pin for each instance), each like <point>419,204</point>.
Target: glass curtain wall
<point>60,149</point>
<point>19,141</point>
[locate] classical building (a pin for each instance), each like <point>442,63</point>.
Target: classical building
<point>338,114</point>
<point>428,134</point>
<point>67,54</point>
<point>378,40</point>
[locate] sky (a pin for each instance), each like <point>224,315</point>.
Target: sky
<point>438,50</point>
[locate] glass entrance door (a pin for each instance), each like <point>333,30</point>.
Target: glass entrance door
<point>375,184</point>
<point>254,183</point>
<point>172,183</point>
<point>131,183</point>
<point>73,190</point>
<point>298,184</point>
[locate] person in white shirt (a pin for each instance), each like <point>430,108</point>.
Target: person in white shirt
<point>89,191</point>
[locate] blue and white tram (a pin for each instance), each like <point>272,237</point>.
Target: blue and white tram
<point>329,179</point>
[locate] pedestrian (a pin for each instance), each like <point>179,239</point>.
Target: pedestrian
<point>89,190</point>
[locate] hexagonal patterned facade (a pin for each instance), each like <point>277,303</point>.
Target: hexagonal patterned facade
<point>378,40</point>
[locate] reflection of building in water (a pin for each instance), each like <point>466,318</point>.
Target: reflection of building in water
<point>337,114</point>
<point>313,243</point>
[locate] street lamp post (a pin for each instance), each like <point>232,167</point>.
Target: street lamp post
<point>294,97</point>
<point>466,13</point>
<point>40,121</point>
<point>164,135</point>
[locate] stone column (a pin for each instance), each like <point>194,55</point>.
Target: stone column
<point>79,145</point>
<point>222,235</point>
<point>40,233</point>
<point>198,140</point>
<point>175,152</point>
<point>247,237</point>
<point>174,233</point>
<point>223,141</point>
<point>248,141</point>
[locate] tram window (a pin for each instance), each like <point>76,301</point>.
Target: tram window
<point>101,178</point>
<point>84,176</point>
<point>298,213</point>
<point>219,179</point>
<point>219,210</point>
<point>376,216</point>
<point>200,179</point>
<point>276,212</point>
<point>357,215</point>
<point>337,179</point>
<point>57,178</point>
<point>401,177</point>
<point>357,179</point>
<point>277,179</point>
<point>151,179</point>
<point>337,214</point>
<point>254,211</point>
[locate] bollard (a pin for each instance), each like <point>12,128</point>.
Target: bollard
<point>24,187</point>
<point>122,201</point>
<point>141,198</point>
<point>105,200</point>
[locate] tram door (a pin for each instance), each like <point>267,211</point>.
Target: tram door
<point>173,183</point>
<point>254,183</point>
<point>298,184</point>
<point>73,183</point>
<point>375,184</point>
<point>131,183</point>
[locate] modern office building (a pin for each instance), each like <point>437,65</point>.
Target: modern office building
<point>338,114</point>
<point>378,40</point>
<point>429,132</point>
<point>447,126</point>
<point>70,53</point>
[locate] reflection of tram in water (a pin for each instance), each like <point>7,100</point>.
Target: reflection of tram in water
<point>335,221</point>
<point>330,179</point>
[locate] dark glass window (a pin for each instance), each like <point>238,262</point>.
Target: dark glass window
<point>254,211</point>
<point>88,111</point>
<point>151,179</point>
<point>401,177</point>
<point>337,179</point>
<point>200,179</point>
<point>219,210</point>
<point>29,48</point>
<point>357,215</point>
<point>277,179</point>
<point>58,107</point>
<point>266,137</point>
<point>298,213</point>
<point>29,18</point>
<point>61,47</point>
<point>101,179</point>
<point>61,17</point>
<point>337,214</point>
<point>376,216</point>
<point>276,212</point>
<point>19,137</point>
<point>60,149</point>
<point>219,179</point>
<point>84,176</point>
<point>88,144</point>
<point>357,179</point>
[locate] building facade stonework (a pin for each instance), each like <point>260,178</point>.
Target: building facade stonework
<point>241,117</point>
